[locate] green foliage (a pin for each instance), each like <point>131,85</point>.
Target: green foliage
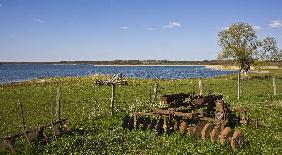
<point>269,50</point>
<point>95,131</point>
<point>239,42</point>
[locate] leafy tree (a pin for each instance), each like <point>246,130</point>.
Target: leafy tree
<point>268,50</point>
<point>239,42</point>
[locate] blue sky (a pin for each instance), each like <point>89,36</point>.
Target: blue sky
<point>55,30</point>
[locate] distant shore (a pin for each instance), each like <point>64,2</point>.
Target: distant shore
<point>212,64</point>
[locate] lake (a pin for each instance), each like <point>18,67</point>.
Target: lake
<point>22,72</point>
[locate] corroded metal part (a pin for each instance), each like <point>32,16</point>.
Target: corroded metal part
<point>198,129</point>
<point>199,116</point>
<point>215,134</point>
<point>183,127</point>
<point>206,131</point>
<point>226,135</point>
<point>37,134</point>
<point>237,140</point>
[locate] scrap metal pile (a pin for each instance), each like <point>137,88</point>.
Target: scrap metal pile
<point>200,116</point>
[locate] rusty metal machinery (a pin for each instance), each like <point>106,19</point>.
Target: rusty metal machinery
<point>201,116</point>
<point>38,134</point>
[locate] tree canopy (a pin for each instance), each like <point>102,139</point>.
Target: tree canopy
<point>239,42</point>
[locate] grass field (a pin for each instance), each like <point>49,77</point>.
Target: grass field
<point>97,132</point>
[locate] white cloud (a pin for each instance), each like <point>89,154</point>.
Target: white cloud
<point>256,28</point>
<point>222,28</point>
<point>275,23</point>
<point>124,28</point>
<point>172,25</point>
<point>38,20</point>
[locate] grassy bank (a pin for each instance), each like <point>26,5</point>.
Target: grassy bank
<point>97,132</point>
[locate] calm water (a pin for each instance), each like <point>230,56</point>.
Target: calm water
<point>21,72</point>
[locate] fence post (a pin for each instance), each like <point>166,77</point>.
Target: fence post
<point>238,86</point>
<point>113,99</point>
<point>58,104</point>
<point>274,86</point>
<point>201,87</point>
<point>155,93</point>
<point>23,121</point>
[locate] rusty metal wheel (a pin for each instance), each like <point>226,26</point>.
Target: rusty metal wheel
<point>215,134</point>
<point>153,123</point>
<point>139,122</point>
<point>237,140</point>
<point>190,130</point>
<point>206,131</point>
<point>176,125</point>
<point>183,127</point>
<point>127,122</point>
<point>145,123</point>
<point>226,135</point>
<point>159,126</point>
<point>170,126</point>
<point>198,129</point>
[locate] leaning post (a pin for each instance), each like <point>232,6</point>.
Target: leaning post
<point>201,87</point>
<point>238,86</point>
<point>58,104</point>
<point>23,121</point>
<point>113,99</point>
<point>274,86</point>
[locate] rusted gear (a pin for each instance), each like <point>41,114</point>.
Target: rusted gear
<point>226,135</point>
<point>198,129</point>
<point>215,134</point>
<point>237,140</point>
<point>183,127</point>
<point>206,131</point>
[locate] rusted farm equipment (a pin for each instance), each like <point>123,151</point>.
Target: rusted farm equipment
<point>36,134</point>
<point>42,134</point>
<point>195,115</point>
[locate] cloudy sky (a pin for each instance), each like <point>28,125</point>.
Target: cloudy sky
<point>55,30</point>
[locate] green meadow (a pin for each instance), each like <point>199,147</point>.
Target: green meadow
<point>96,131</point>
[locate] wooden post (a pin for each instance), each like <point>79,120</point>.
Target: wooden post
<point>238,86</point>
<point>150,97</point>
<point>274,86</point>
<point>58,104</point>
<point>155,93</point>
<point>52,121</point>
<point>113,99</point>
<point>257,124</point>
<point>201,87</point>
<point>23,121</point>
